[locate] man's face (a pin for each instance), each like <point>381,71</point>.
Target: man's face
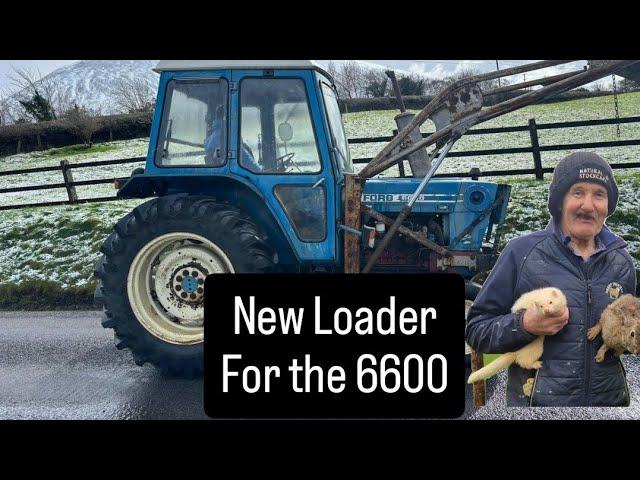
<point>584,210</point>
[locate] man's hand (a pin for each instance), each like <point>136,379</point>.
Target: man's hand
<point>537,324</point>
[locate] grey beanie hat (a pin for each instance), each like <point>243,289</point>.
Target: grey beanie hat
<point>581,167</point>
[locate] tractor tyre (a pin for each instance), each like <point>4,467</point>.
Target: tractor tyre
<point>152,274</point>
<point>471,291</point>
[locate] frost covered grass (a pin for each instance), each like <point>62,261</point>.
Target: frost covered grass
<point>48,253</point>
<point>74,154</point>
<point>52,250</point>
<point>64,152</point>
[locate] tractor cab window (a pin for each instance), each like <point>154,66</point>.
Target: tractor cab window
<point>276,130</point>
<point>194,124</point>
<point>339,138</point>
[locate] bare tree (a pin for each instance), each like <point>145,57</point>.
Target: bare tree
<point>353,79</point>
<point>433,86</point>
<point>133,95</point>
<point>81,122</point>
<point>627,85</point>
<point>333,70</point>
<point>28,84</point>
<point>350,79</point>
<point>4,111</point>
<point>599,86</point>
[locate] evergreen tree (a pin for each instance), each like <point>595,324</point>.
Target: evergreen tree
<point>377,84</point>
<point>38,107</point>
<point>412,85</point>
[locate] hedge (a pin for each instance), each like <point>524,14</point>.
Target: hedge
<point>27,137</point>
<point>46,295</point>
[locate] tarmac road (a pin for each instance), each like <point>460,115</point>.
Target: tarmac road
<point>63,365</point>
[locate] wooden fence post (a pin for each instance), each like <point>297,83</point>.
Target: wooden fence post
<point>19,145</point>
<point>479,387</point>
<point>353,187</point>
<point>68,181</point>
<point>537,161</point>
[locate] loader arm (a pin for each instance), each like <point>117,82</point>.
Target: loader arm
<point>454,110</point>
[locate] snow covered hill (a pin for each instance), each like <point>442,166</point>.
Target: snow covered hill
<point>89,82</point>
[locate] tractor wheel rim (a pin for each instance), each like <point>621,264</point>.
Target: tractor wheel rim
<point>168,302</point>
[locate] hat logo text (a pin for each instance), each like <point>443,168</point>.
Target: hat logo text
<point>593,174</point>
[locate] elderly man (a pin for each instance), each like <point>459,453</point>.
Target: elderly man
<point>579,255</point>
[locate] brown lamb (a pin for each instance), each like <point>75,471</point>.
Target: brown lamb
<point>620,327</point>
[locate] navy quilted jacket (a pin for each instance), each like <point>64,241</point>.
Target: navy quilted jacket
<point>569,375</point>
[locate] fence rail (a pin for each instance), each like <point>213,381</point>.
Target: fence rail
<point>68,182</point>
<point>532,127</point>
<point>535,149</point>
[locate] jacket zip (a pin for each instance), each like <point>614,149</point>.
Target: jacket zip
<point>533,390</point>
<point>587,343</point>
<point>584,272</point>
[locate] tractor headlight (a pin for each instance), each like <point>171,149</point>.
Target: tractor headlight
<point>476,197</point>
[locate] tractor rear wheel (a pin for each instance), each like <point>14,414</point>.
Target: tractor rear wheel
<point>152,274</point>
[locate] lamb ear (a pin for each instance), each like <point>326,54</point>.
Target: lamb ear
<point>629,307</point>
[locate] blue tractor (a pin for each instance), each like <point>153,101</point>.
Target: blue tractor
<point>250,171</point>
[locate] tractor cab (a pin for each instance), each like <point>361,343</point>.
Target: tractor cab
<point>268,132</point>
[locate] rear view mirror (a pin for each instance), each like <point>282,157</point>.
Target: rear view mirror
<point>285,132</point>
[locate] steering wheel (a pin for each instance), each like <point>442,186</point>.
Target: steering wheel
<point>282,163</point>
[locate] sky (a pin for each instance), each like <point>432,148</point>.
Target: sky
<point>44,66</point>
<point>430,68</point>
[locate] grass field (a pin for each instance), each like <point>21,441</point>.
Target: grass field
<point>52,250</point>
